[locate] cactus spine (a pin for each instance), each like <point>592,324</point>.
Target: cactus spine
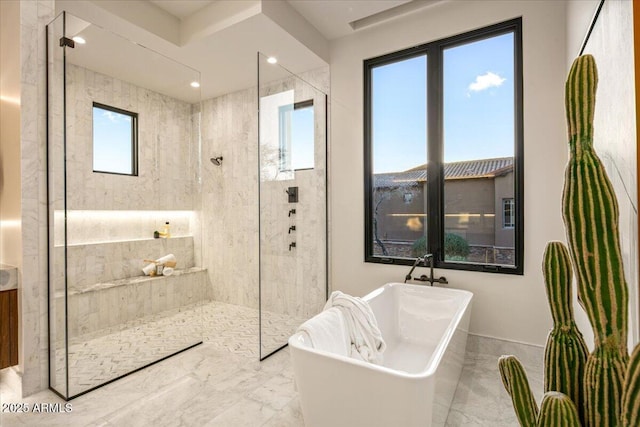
<point>557,410</point>
<point>631,396</point>
<point>515,382</point>
<point>565,352</point>
<point>611,380</point>
<point>590,212</point>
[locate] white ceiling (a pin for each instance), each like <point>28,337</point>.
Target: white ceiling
<point>181,8</point>
<point>332,17</point>
<point>218,38</point>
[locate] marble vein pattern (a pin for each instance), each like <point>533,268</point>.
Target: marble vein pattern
<point>231,209</point>
<point>167,163</point>
<point>8,277</point>
<point>222,383</point>
<point>34,15</point>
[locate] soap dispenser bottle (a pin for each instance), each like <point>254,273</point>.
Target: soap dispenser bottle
<point>166,230</point>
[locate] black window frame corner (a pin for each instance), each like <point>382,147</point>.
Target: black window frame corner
<point>435,211</point>
<point>134,137</point>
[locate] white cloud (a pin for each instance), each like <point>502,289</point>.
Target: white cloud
<point>111,115</point>
<point>485,81</point>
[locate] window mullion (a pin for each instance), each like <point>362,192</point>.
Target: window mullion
<point>435,204</point>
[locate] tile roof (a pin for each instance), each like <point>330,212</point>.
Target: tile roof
<point>468,169</point>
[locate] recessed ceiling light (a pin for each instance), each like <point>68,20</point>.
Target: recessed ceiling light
<point>79,40</point>
<point>272,60</point>
<point>195,84</point>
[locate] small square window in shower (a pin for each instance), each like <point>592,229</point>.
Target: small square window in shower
<point>115,140</point>
<point>296,136</point>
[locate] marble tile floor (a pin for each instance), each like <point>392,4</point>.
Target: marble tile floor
<point>101,356</point>
<point>220,383</point>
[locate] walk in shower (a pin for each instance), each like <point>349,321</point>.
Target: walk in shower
<point>124,194</point>
<point>153,250</point>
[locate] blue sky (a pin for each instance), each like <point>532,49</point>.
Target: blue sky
<point>478,106</point>
<point>111,141</point>
<point>302,138</point>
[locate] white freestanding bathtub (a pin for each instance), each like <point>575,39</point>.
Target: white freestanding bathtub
<point>425,329</point>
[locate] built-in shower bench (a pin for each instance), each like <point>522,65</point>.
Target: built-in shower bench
<point>105,286</point>
<point>139,280</point>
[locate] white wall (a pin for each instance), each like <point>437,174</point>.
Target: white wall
<point>505,306</point>
<point>579,15</point>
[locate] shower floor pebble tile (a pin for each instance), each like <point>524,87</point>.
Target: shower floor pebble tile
<point>218,385</point>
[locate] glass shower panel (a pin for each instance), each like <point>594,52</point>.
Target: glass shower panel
<point>56,203</point>
<point>293,202</point>
<point>124,163</point>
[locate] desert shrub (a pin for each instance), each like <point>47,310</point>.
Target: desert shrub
<point>456,248</point>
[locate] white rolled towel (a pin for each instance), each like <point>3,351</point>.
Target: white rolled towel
<point>166,258</point>
<point>147,269</point>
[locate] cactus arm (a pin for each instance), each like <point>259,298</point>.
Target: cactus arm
<point>557,410</point>
<point>556,267</point>
<point>631,395</point>
<point>590,213</point>
<point>515,382</point>
<point>565,352</point>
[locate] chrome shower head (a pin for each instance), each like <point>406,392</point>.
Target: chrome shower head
<point>216,160</point>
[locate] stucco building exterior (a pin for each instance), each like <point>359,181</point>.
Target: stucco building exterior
<point>479,207</point>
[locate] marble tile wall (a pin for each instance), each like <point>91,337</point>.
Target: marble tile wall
<point>167,161</point>
<point>231,211</point>
<point>89,265</point>
<point>32,293</point>
<point>98,226</point>
<point>110,306</point>
<point>230,197</point>
<point>8,277</point>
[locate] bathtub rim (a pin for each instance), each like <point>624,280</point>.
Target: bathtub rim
<point>297,340</point>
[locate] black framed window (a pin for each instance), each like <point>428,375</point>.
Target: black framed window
<point>443,144</point>
<point>115,140</point>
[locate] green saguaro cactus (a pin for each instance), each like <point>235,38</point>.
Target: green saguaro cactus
<point>515,382</point>
<point>631,397</point>
<point>566,352</point>
<point>590,212</point>
<point>606,392</point>
<point>557,410</point>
